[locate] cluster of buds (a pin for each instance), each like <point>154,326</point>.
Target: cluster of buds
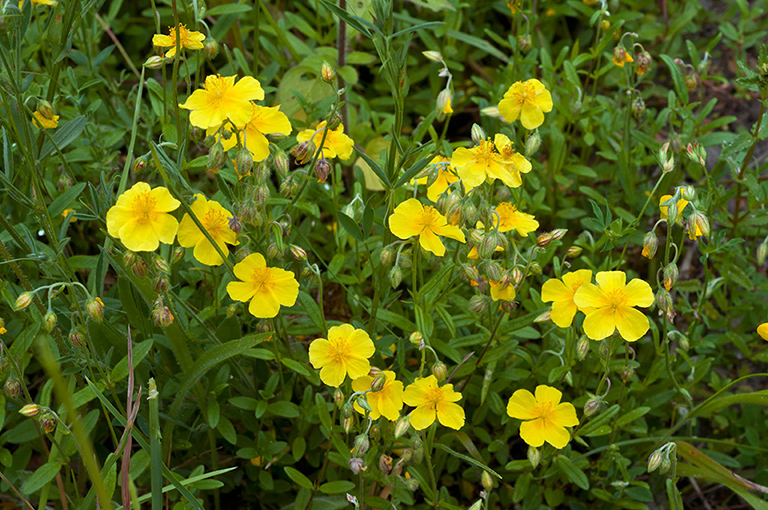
<point>663,458</point>
<point>696,153</point>
<point>546,238</point>
<point>44,415</point>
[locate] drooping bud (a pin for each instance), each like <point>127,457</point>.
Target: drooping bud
<point>216,156</point>
<point>140,164</point>
<point>48,421</point>
<point>582,347</point>
<point>638,107</point>
<point>543,240</point>
<point>77,337</point>
<point>650,245</point>
<point>478,304</point>
<point>322,169</point>
<point>348,423</point>
<point>12,387</point>
<point>664,303</point>
<point>532,144</point>
<point>478,135</point>
<point>378,382</point>
<point>356,464</point>
<point>233,310</point>
<point>361,445</point>
<point>160,284</point>
<point>619,54</point>
<point>327,73</point>
<point>544,317</point>
<point>491,241</point>
<point>670,275</point>
<point>401,426</point>
<point>23,301</point>
<point>626,373</point>
<point>486,481</point>
<point>303,151</point>
<point>534,269</point>
<point>161,264</point>
<point>434,56</point>
<point>95,309</point>
<point>688,192</point>
<point>494,272</point>
<point>395,276</point>
<point>416,338</point>
<point>45,109</point>
<point>387,255</point>
<point>698,225</point>
<point>234,224</point>
<point>558,233</point>
<point>534,456</point>
<point>440,371</point>
<point>654,460</point>
<point>592,406</point>
<point>385,463</point>
<point>643,62</point>
<point>524,43</point>
<point>338,398</point>
<point>49,321</point>
<point>443,103</point>
<point>244,163</point>
<point>162,316</point>
<point>690,81</point>
<point>211,48</point>
<point>667,159</point>
<point>412,484</point>
<point>282,165</point>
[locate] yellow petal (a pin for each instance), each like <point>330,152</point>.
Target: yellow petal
<point>137,236</point>
<point>531,116</point>
<point>590,295</point>
<point>430,242</point>
<point>245,268</point>
<point>206,254</point>
<point>563,313</point>
<point>564,415</point>
<point>544,100</point>
<point>165,227</point>
<point>333,374</point>
<point>189,235</point>
<point>611,280</point>
<point>639,293</point>
<point>241,291</point>
<point>631,323</point>
<point>509,109</point>
<point>357,367</point>
<point>422,417</point>
<point>549,394</point>
<point>534,432</point>
<point>450,231</point>
<point>557,436</point>
<point>555,290</point>
<point>522,405</point>
<point>600,323</point>
<point>320,355</point>
<point>264,305</point>
<point>762,330</point>
<point>450,415</point>
<point>401,222</point>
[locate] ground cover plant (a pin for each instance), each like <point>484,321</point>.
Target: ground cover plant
<point>383,254</point>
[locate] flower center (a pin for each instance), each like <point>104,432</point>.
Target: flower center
<point>576,284</point>
<point>262,280</point>
<point>215,223</point>
<point>434,396</point>
<point>544,409</point>
<point>528,93</point>
<point>144,205</point>
<point>340,352</point>
<point>428,218</point>
<point>617,298</point>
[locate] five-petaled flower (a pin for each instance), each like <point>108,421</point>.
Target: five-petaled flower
<point>545,417</point>
<point>432,401</point>
<point>187,39</point>
<point>221,98</point>
<point>44,122</point>
<point>140,217</point>
<point>561,294</point>
<point>215,219</point>
<point>344,352</point>
<point>386,402</point>
<point>499,291</point>
<point>336,142</point>
<point>512,219</point>
<point>265,120</point>
<point>611,302</point>
<point>267,288</point>
<point>482,162</point>
<point>411,218</point>
<point>527,100</point>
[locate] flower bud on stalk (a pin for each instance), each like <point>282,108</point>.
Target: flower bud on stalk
<point>64,183</point>
<point>303,151</point>
<point>443,103</point>
<point>244,163</point>
<point>582,347</point>
<point>667,159</point>
<point>486,481</point>
<point>434,56</point>
<point>356,464</point>
<point>762,252</point>
<point>395,276</point>
<point>233,310</point>
<point>385,463</point>
<point>327,73</point>
<point>544,317</point>
<point>211,48</point>
<point>440,371</point>
<point>524,43</point>
<point>664,304</point>
<point>338,398</point>
<point>468,214</point>
<point>688,192</point>
<point>654,461</point>
<point>638,107</point>
<point>23,301</point>
<point>532,144</point>
<point>161,264</point>
<point>162,316</point>
<point>155,62</point>
<point>650,245</point>
<point>282,165</point>
<point>140,268</point>
<point>378,382</point>
<point>626,373</point>
<point>534,269</point>
<point>160,284</point>
<point>30,410</point>
<point>361,445</point>
<point>412,484</point>
<point>643,62</point>
<point>322,170</point>
<point>543,240</point>
<point>592,406</point>
<point>216,156</point>
<point>48,421</point>
<point>77,337</point>
<point>478,304</point>
<point>670,274</point>
<point>698,225</point>
<point>387,255</point>
<point>494,271</point>
<point>573,252</point>
<point>12,387</point>
<point>491,241</point>
<point>49,321</point>
<point>140,164</point>
<point>95,309</point>
<point>401,426</point>
<point>416,338</point>
<point>478,135</point>
<point>534,456</point>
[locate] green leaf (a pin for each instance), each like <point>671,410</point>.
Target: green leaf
<point>43,475</point>
<point>298,477</point>
<point>322,412</point>
<point>631,416</point>
<point>228,9</point>
<point>64,135</point>
<point>466,458</point>
<point>478,43</point>
<point>312,309</point>
<point>573,473</point>
<point>337,487</point>
<point>62,201</point>
<point>284,409</point>
<point>140,350</point>
<point>677,78</point>
<point>350,226</point>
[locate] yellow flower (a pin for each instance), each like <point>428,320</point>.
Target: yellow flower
<point>2,327</point>
<point>221,98</point>
<point>432,401</point>
<point>265,120</point>
<point>336,142</point>
<point>762,330</point>
<point>43,122</point>
<point>621,56</point>
<point>545,416</point>
<point>386,402</point>
<point>528,101</point>
<point>267,288</point>
<point>612,301</point>
<point>445,177</point>
<point>561,294</point>
<point>482,162</point>
<point>512,219</point>
<point>187,39</point>
<point>681,204</point>
<point>140,217</point>
<point>215,219</point>
<point>505,293</point>
<point>39,2</point>
<point>66,212</point>
<point>345,352</point>
<point>411,218</point>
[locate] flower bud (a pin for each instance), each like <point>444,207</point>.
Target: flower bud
<point>12,387</point>
<point>161,264</point>
<point>626,373</point>
<point>524,43</point>
<point>665,465</point>
<point>216,156</point>
<point>685,344</point>
<point>443,103</point>
<point>385,463</point>
<point>491,241</point>
<point>48,421</point>
<point>387,255</point>
<point>162,316</point>
<point>160,284</point>
<point>45,109</point>
<point>558,233</point>
<point>356,464</point>
<point>140,164</point>
<point>412,484</point>
<point>673,211</point>
<point>64,183</point>
<point>77,337</point>
<point>650,245</point>
<point>440,371</point>
<point>619,54</point>
<point>638,107</point>
<point>534,269</point>
<point>225,133</point>
<point>405,456</point>
<point>347,424</point>
<point>592,406</point>
<point>468,214</point>
<point>129,258</point>
<point>698,225</point>
<point>322,169</point>
<point>543,240</point>
<point>49,321</point>
<point>233,310</point>
<point>95,309</point>
<point>23,301</point>
<point>688,192</point>
<point>327,73</point>
<point>582,347</point>
<point>478,304</point>
<point>361,445</point>
<point>762,252</point>
<point>573,252</point>
<point>30,410</point>
<point>470,273</point>
<point>534,456</point>
<point>416,338</point>
<point>690,81</point>
<point>243,163</point>
<point>282,165</point>
<point>544,317</point>
<point>654,460</point>
<point>605,25</point>
<point>303,151</point>
<point>670,274</point>
<point>401,426</point>
<point>434,56</point>
<point>478,135</point>
<point>274,252</point>
<point>516,277</point>
<point>378,382</point>
<point>486,481</point>
<point>395,276</point>
<point>532,144</point>
<point>664,303</point>
<point>667,159</point>
<point>338,398</point>
<point>155,62</point>
<point>643,62</point>
<point>211,48</point>
<point>347,411</point>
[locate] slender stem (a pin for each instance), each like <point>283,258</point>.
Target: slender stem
<point>737,203</point>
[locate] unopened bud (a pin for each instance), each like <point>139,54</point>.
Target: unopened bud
<point>77,337</point>
<point>654,461</point>
<point>665,465</point>
<point>412,484</point>
<point>532,144</point>
<point>534,456</point>
<point>387,255</point>
<point>698,225</point>
<point>233,310</point>
<point>162,316</point>
<point>490,242</point>
<point>244,163</point>
<point>650,245</point>
<point>416,338</point>
<point>638,107</point>
<point>30,410</point>
<point>544,317</point>
<point>178,254</point>
<point>534,269</point>
<point>478,304</point>
<point>434,56</point>
<point>129,258</point>
<point>327,73</point>
<point>762,252</point>
<point>395,276</point>
<point>303,151</point>
<point>361,445</point>
<point>140,164</point>
<point>670,275</point>
<point>378,382</point>
<point>385,463</point>
<point>160,284</point>
<point>468,214</point>
<point>49,321</point>
<point>605,25</point>
<point>161,264</point>
<point>338,398</point>
<point>356,464</point>
<point>690,81</point>
<point>470,273</point>
<point>592,406</point>
<point>619,54</point>
<point>440,371</point>
<point>347,411</point>
<point>401,426</point>
<point>664,303</point>
<point>155,62</point>
<point>516,277</point>
<point>196,134</point>
<point>558,233</point>
<point>688,192</point>
<point>573,252</point>
<point>494,272</point>
<point>322,170</point>
<point>582,347</point>
<point>626,373</point>
<point>12,387</point>
<point>282,165</point>
<point>45,109</point>
<point>524,43</point>
<point>23,301</point>
<point>216,156</point>
<point>234,224</point>
<point>95,309</point>
<point>347,424</point>
<point>211,48</point>
<point>543,240</point>
<point>443,103</point>
<point>643,62</point>
<point>486,481</point>
<point>478,135</point>
<point>48,421</point>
